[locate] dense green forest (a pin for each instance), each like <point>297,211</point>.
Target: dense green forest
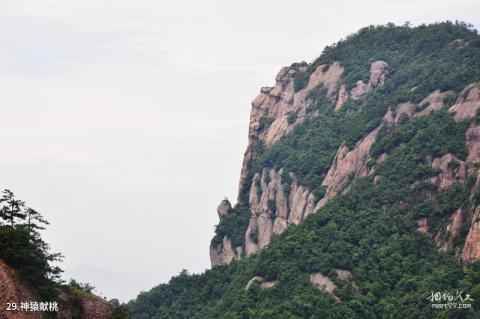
<point>371,230</point>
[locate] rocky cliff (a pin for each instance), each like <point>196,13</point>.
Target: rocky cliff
<point>360,188</point>
<point>275,204</point>
<point>275,112</point>
<point>282,108</point>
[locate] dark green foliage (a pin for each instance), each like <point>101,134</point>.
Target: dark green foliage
<point>12,209</point>
<point>76,292</point>
<point>272,206</point>
<point>300,81</point>
<point>320,191</point>
<point>477,117</point>
<point>120,312</point>
<point>440,56</point>
<point>370,231</point>
<point>320,99</point>
<point>234,225</point>
<point>286,180</point>
<point>292,117</point>
<point>309,150</point>
<point>188,296</point>
<point>22,248</point>
<point>265,123</point>
<point>440,124</point>
<point>476,197</point>
<point>83,288</point>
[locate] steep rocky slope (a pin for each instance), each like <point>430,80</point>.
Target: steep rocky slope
<point>14,291</point>
<point>360,188</point>
<point>282,109</point>
<point>272,209</point>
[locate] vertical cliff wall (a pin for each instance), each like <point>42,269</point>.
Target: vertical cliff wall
<point>276,198</point>
<point>275,112</point>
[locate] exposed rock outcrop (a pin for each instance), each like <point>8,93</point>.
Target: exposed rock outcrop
<point>346,275</point>
<point>342,97</point>
<point>343,274</point>
<point>473,144</point>
<point>224,253</point>
<point>402,111</point>
<point>95,307</point>
<point>275,112</point>
<point>224,208</point>
<point>346,166</point>
<point>433,102</point>
<point>264,284</point>
<point>451,169</point>
<point>280,102</point>
<point>422,225</point>
<point>445,237</point>
<point>324,283</point>
<point>456,223</point>
<point>273,208</point>
<point>378,74</point>
<point>259,233</point>
<point>471,249</point>
<point>468,103</point>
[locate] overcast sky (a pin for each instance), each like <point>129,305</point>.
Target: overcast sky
<point>125,122</point>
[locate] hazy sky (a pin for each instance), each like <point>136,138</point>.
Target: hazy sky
<point>124,122</point>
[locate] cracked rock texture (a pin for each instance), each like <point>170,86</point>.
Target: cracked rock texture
<point>274,205</point>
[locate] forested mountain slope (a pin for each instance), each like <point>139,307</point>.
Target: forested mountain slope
<point>359,194</point>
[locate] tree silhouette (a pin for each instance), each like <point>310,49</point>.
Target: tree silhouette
<point>34,220</point>
<point>12,208</point>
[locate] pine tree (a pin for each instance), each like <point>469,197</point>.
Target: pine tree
<point>35,220</point>
<point>12,208</point>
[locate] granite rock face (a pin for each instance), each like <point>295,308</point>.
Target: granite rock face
<point>346,166</point>
<point>224,208</point>
<point>224,253</point>
<point>275,112</point>
<point>471,249</point>
<point>324,283</point>
<point>275,204</point>
<point>286,108</point>
<point>468,103</point>
<point>273,208</point>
